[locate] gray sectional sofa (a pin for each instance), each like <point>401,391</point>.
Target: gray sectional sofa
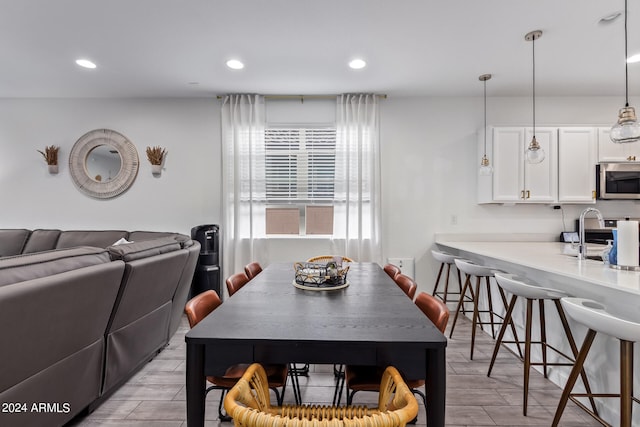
<point>80,315</point>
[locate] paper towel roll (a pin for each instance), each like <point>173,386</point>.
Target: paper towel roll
<point>628,243</point>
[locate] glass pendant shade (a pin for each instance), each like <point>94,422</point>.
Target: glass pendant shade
<point>535,153</point>
<point>485,166</point>
<point>627,129</point>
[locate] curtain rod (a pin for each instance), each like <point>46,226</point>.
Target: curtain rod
<point>303,97</point>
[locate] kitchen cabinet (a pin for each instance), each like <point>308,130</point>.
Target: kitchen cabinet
<point>514,180</point>
<point>609,151</point>
<point>576,164</point>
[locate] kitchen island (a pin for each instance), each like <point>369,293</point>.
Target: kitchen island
<point>546,264</point>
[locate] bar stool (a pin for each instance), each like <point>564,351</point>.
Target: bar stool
<point>595,317</point>
<point>518,287</point>
<point>479,272</point>
<point>448,260</point>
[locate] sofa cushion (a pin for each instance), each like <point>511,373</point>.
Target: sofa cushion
<point>21,268</point>
<point>12,241</point>
<point>41,240</point>
<point>98,238</point>
<point>143,249</point>
<point>184,240</point>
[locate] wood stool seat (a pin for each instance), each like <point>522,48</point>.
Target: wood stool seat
<point>479,272</point>
<point>596,318</point>
<point>524,288</point>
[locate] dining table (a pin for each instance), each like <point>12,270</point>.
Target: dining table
<point>270,320</point>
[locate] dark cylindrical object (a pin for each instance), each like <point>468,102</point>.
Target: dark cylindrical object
<point>207,273</point>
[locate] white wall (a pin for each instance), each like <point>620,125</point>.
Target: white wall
<point>187,193</point>
<point>429,164</point>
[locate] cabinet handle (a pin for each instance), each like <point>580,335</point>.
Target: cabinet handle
<point>631,158</point>
<point>528,194</point>
<point>522,194</point>
<point>593,194</point>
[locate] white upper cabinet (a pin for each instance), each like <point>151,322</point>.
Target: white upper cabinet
<point>514,180</point>
<point>609,151</point>
<point>576,164</point>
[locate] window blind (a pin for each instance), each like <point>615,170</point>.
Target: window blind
<point>300,163</point>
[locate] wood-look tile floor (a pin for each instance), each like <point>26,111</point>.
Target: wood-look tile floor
<point>155,396</point>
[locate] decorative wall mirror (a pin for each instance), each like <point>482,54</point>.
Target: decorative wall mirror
<point>103,163</point>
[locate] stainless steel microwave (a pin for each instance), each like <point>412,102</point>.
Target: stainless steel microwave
<point>618,181</point>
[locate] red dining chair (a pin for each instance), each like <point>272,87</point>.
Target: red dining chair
<point>200,307</point>
<point>236,282</point>
<point>252,269</point>
<point>367,378</point>
<point>392,270</point>
<point>407,285</point>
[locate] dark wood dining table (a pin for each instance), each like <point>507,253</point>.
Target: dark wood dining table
<point>269,320</point>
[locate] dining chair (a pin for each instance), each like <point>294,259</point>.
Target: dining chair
<point>407,284</point>
<point>367,378</point>
<point>252,269</point>
<point>200,307</point>
<point>235,282</point>
<point>392,270</point>
<point>249,405</point>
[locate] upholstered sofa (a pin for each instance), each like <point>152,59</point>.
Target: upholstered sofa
<point>79,315</point>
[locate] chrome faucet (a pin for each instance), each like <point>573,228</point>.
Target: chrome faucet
<point>582,247</point>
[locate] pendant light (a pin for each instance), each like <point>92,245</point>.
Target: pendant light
<point>485,165</point>
<point>627,129</point>
<point>534,153</point>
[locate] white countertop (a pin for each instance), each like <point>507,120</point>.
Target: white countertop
<point>549,257</point>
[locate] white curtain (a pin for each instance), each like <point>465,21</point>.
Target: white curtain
<point>243,122</point>
<point>357,220</point>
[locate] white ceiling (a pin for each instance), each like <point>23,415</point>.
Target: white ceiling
<point>160,48</point>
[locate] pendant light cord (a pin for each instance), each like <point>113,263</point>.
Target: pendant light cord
<point>533,46</point>
<point>626,67</point>
<point>485,118</point>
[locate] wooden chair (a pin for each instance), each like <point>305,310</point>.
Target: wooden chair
<point>252,269</point>
<point>392,270</point>
<point>367,378</point>
<point>249,405</point>
<point>323,259</point>
<point>200,307</point>
<point>407,285</point>
<point>235,282</point>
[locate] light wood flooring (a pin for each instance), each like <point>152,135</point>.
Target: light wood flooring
<point>155,397</point>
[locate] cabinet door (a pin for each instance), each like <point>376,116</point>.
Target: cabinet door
<point>541,179</point>
<point>577,165</point>
<point>508,159</point>
<point>609,151</point>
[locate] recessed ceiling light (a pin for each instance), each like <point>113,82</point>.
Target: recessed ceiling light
<point>633,59</point>
<point>610,18</point>
<point>357,64</point>
<point>235,64</point>
<point>85,63</point>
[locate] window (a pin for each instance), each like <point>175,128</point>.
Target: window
<point>300,163</point>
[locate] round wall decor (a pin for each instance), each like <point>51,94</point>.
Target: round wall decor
<point>103,163</point>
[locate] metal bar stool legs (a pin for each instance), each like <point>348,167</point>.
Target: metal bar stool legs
<point>597,319</point>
